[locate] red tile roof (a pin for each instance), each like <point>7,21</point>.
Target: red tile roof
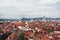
<point>45,38</point>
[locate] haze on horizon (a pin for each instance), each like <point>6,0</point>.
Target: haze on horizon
<point>29,8</point>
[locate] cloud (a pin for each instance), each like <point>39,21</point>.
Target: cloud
<point>48,1</point>
<point>29,8</point>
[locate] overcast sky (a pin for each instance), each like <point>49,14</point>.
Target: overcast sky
<point>29,8</point>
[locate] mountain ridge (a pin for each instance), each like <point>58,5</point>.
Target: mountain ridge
<point>24,18</point>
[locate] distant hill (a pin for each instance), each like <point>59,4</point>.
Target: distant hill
<point>31,18</point>
<point>27,19</point>
<point>40,18</point>
<point>8,19</point>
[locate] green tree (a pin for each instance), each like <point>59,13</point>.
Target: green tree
<point>21,36</point>
<point>50,30</point>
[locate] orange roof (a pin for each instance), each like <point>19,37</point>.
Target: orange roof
<point>28,33</point>
<point>13,36</point>
<point>58,28</point>
<point>20,23</point>
<point>36,38</point>
<point>45,38</point>
<point>31,26</point>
